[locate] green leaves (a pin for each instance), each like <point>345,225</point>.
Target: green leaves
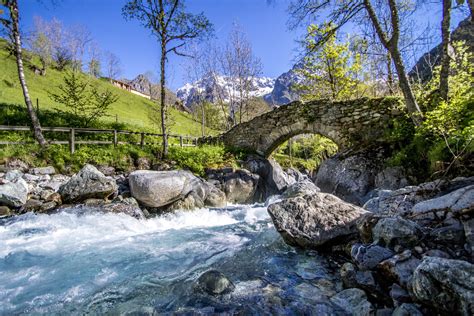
<point>83,101</point>
<point>330,71</point>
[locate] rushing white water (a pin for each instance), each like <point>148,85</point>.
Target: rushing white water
<point>79,261</point>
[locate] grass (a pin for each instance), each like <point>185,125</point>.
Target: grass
<point>130,109</point>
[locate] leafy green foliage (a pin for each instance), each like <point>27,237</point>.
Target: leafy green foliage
<point>443,143</point>
<point>330,71</point>
<point>197,159</point>
<point>305,152</point>
<point>82,99</point>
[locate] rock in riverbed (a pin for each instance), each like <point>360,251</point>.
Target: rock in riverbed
<point>312,221</point>
<point>13,190</point>
<point>86,184</point>
<point>446,284</point>
<point>173,190</point>
<point>215,283</point>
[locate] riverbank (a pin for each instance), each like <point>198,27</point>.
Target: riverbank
<point>387,257</point>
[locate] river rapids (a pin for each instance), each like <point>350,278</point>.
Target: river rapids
<point>80,261</point>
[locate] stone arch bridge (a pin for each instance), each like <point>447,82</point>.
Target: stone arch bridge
<point>348,123</point>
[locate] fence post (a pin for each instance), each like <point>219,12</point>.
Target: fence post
<point>72,140</point>
<point>115,138</point>
<point>181,141</point>
<point>142,139</point>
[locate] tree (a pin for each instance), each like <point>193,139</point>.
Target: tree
<point>360,11</point>
<point>112,65</point>
<point>94,60</point>
<point>85,102</point>
<point>78,38</point>
<point>13,28</point>
<point>173,27</point>
<point>41,45</point>
<point>330,71</point>
<point>61,51</point>
<point>445,40</point>
<point>241,66</point>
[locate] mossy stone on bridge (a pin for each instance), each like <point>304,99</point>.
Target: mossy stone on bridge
<point>348,123</point>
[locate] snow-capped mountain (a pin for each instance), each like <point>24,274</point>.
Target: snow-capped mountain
<point>215,88</point>
<point>283,91</point>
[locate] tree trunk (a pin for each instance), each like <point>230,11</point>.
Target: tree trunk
<point>470,3</point>
<point>445,39</point>
<point>390,75</point>
<point>203,119</point>
<point>392,46</point>
<point>162,101</point>
<point>405,86</point>
<point>35,124</point>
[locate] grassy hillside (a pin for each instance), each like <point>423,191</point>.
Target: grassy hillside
<point>129,109</point>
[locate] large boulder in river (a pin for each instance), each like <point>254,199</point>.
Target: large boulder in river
<point>177,189</point>
<point>13,190</point>
<point>241,186</point>
<point>273,180</point>
<point>350,177</point>
<point>314,220</point>
<point>445,284</point>
<point>88,183</point>
<point>301,188</point>
<point>160,188</point>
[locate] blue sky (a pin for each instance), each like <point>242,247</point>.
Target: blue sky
<point>138,51</point>
<point>264,24</point>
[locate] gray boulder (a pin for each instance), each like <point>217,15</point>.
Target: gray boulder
<point>399,295</point>
<point>353,302</point>
<point>455,202</point>
<point>369,256</point>
<point>399,269</point>
<point>469,235</point>
<point>13,190</point>
<point>402,201</point>
<point>173,190</point>
<point>312,221</point>
<point>241,186</point>
<point>353,278</point>
<point>43,171</point>
<point>214,283</point>
<point>160,188</point>
<point>445,284</point>
<point>86,184</point>
<point>214,196</point>
<point>128,206</point>
<point>392,231</point>
<point>348,177</point>
<point>406,309</point>
<point>391,178</point>
<point>301,188</point>
<point>273,180</point>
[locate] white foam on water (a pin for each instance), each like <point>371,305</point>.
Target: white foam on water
<point>67,231</point>
<point>47,261</point>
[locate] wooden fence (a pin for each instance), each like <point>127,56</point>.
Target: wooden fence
<point>184,141</point>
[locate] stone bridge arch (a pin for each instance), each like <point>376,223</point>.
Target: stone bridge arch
<point>347,123</point>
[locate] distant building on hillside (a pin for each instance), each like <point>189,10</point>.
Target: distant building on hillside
<point>125,86</point>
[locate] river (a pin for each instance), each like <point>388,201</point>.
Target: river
<point>81,261</point>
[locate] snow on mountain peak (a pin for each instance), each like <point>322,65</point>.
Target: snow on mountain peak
<point>214,88</point>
